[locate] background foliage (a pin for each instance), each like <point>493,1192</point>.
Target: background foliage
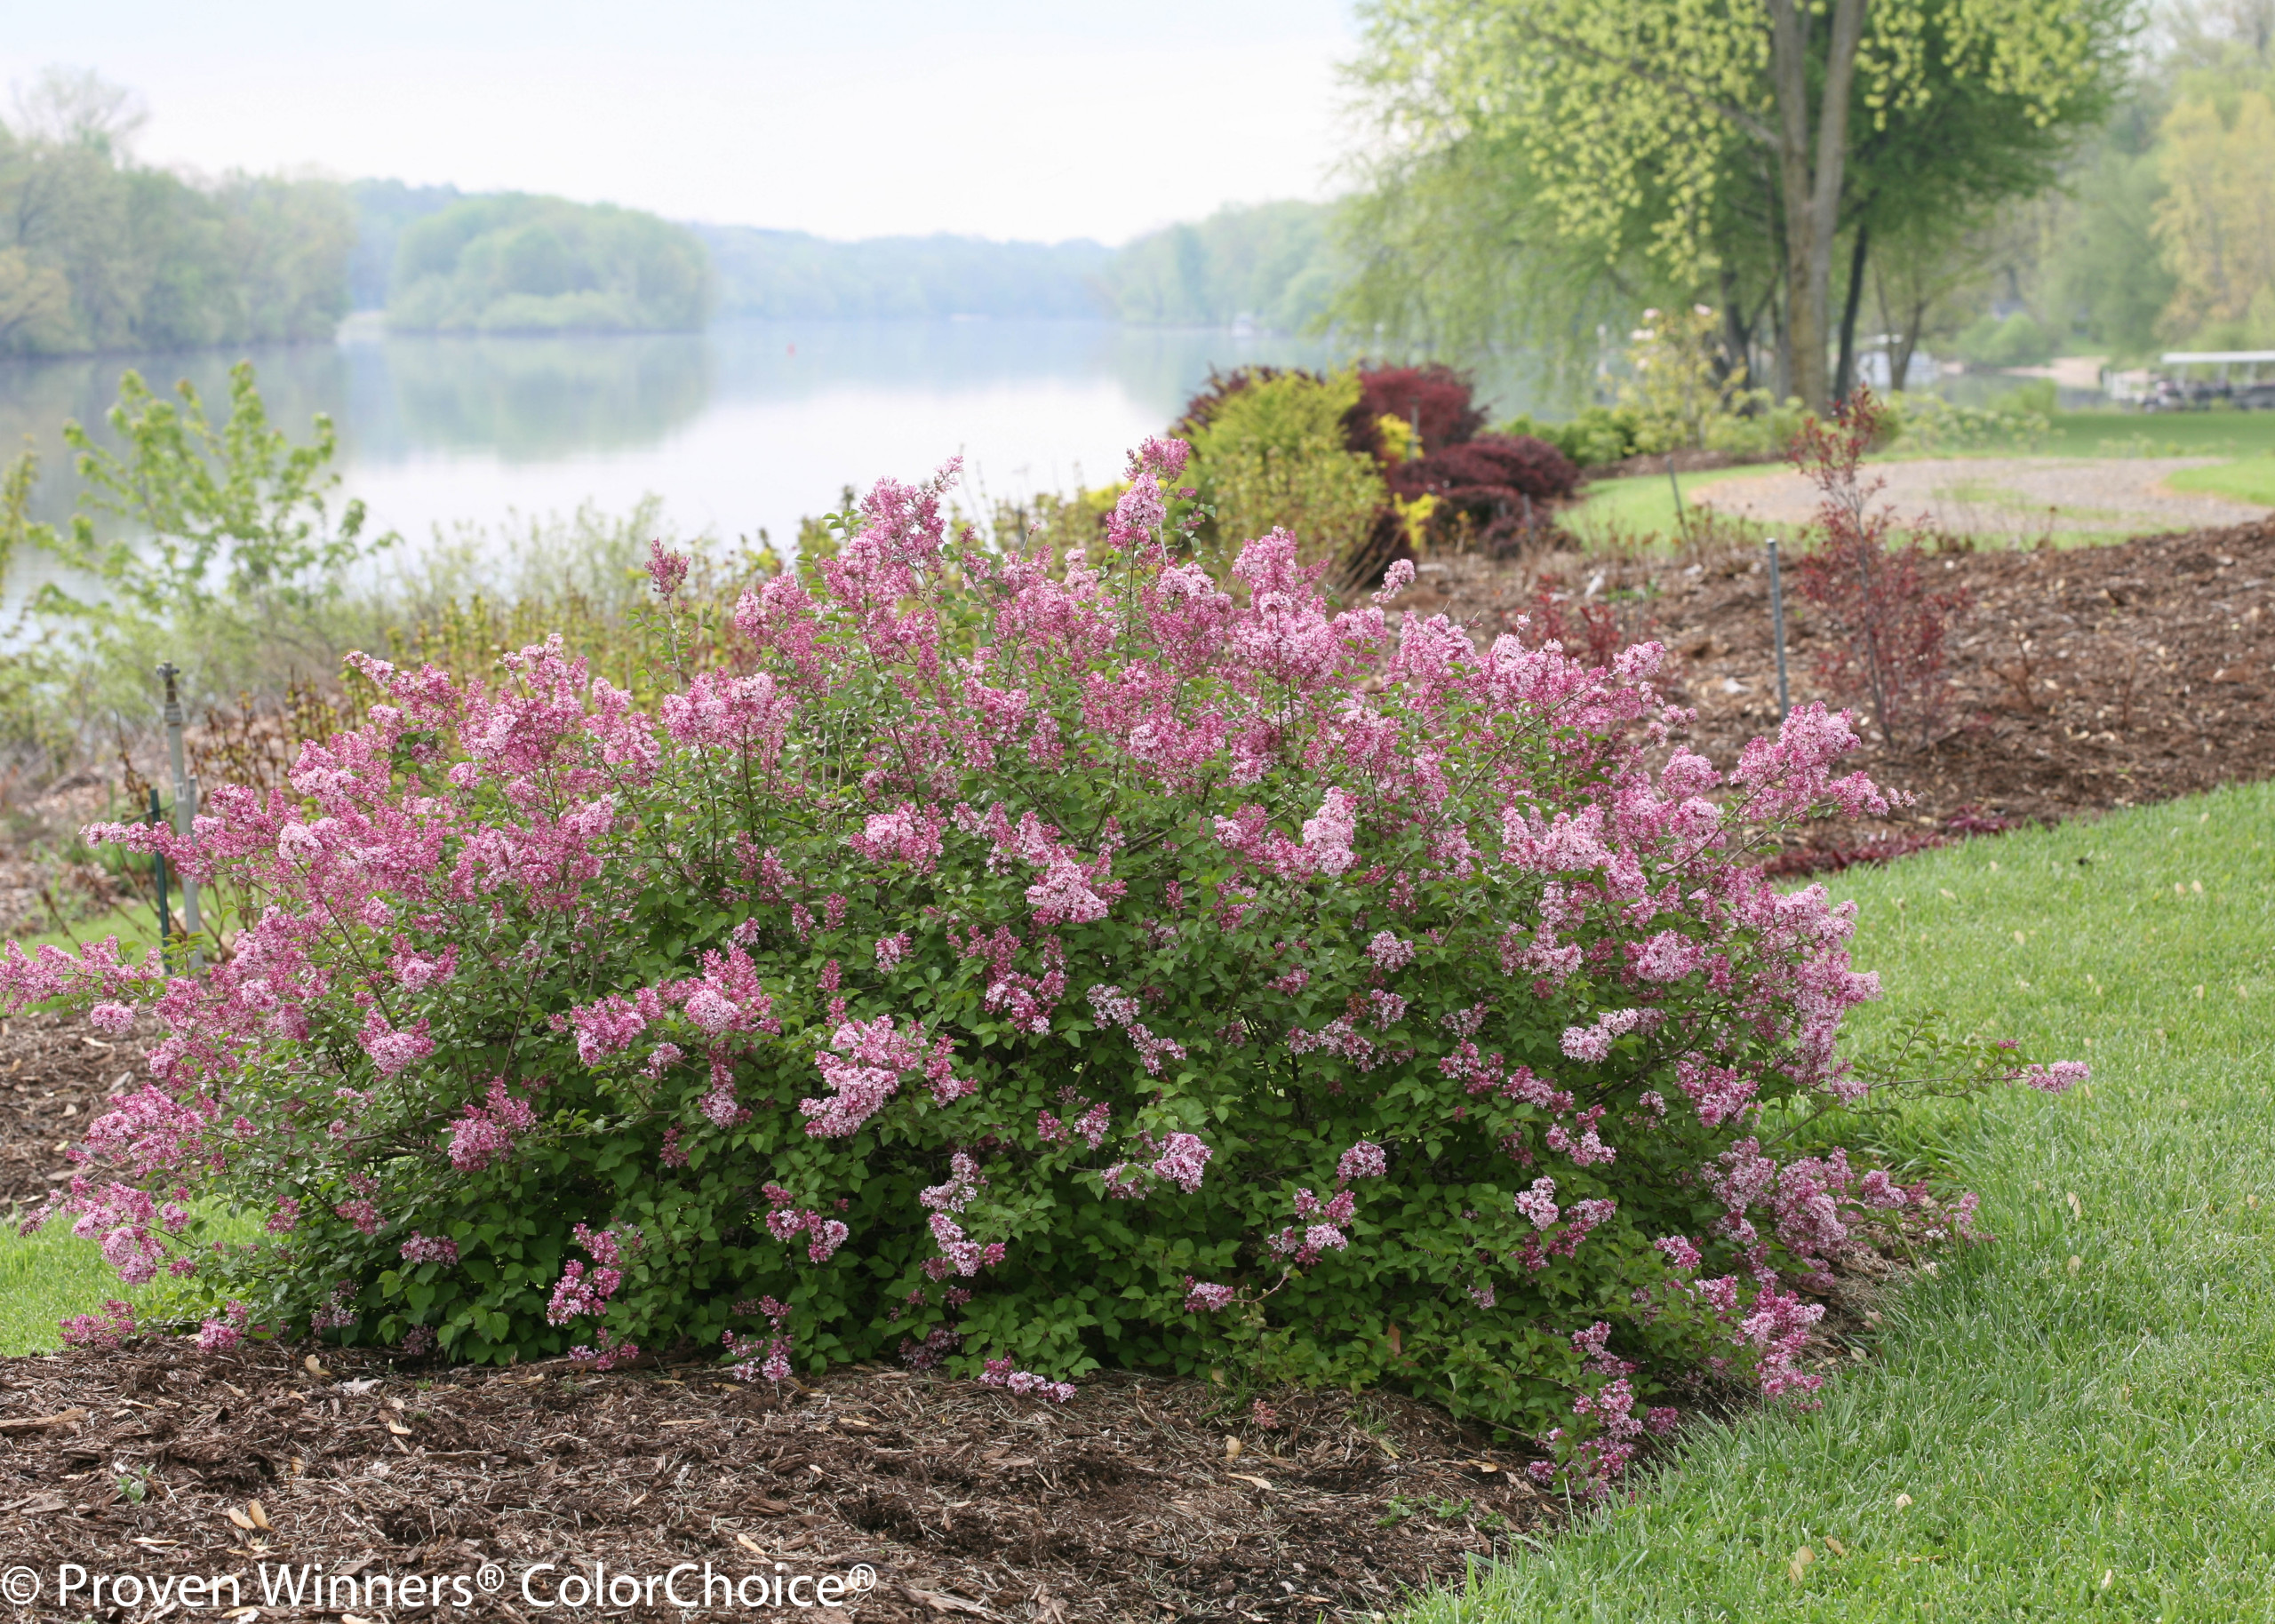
<point>515,263</point>
<point>100,253</point>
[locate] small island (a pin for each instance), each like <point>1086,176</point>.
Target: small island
<point>515,263</point>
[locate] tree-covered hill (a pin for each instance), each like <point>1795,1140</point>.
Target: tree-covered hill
<point>515,263</point>
<point>1271,263</point>
<point>796,274</point>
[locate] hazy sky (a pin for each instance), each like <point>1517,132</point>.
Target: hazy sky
<point>1006,118</point>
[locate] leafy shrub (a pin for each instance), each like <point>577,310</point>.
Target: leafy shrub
<point>1484,489</point>
<point>2036,398</point>
<point>1436,398</point>
<point>243,553</point>
<point>1679,384</point>
<point>2016,341</point>
<point>1762,431</point>
<point>1062,523</point>
<point>1202,410</point>
<point>1596,438</point>
<point>1442,484</point>
<point>1928,423</point>
<point>1889,631</point>
<point>1273,454</point>
<point>1020,972</point>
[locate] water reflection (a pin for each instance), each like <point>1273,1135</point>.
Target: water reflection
<point>526,399</point>
<point>747,426</point>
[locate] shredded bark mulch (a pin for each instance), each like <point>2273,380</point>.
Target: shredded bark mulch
<point>55,1075</point>
<point>1131,1503</point>
<point>2087,680</point>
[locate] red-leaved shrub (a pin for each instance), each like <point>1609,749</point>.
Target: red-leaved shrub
<point>1436,398</point>
<point>1489,490</point>
<point>1889,630</point>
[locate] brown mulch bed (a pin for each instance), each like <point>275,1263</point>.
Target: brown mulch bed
<point>2087,680</point>
<point>960,1498</point>
<point>55,1074</point>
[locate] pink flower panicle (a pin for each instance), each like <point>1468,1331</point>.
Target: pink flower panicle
<point>1538,1203</point>
<point>998,1372</point>
<point>1201,1298</point>
<point>104,1330</point>
<point>429,1249</point>
<point>2059,1077</point>
<point>1114,1009</point>
<point>1182,1162</point>
<point>487,1133</point>
<point>1363,1160</point>
<point>667,570</point>
<point>1388,952</point>
<point>606,1351</point>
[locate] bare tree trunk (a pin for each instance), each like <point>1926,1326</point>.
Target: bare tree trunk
<point>1737,341</point>
<point>1844,376</point>
<point>1811,181</point>
<point>1899,366</point>
<point>1899,330</point>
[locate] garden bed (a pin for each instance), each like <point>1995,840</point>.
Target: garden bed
<point>54,1077</point>
<point>962,1498</point>
<point>2086,680</point>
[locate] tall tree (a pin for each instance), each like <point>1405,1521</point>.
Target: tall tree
<point>97,252</point>
<point>1692,142</point>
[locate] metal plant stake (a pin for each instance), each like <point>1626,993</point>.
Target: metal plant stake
<point>1778,629</point>
<point>158,874</point>
<point>185,804</point>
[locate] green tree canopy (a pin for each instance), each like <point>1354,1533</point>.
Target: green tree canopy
<point>1666,148</point>
<point>2216,220</point>
<point>516,263</point>
<point>97,252</point>
<point>1269,263</point>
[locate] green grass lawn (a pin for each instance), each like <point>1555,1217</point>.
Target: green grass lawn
<point>135,925</point>
<point>2158,434</point>
<point>47,1276</point>
<point>1644,504</point>
<point>2082,1414</point>
<point>44,1277</point>
<point>2247,479</point>
<point>1623,510</point>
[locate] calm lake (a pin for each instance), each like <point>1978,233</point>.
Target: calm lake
<point>745,427</point>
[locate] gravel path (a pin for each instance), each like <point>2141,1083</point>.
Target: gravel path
<point>2018,496</point>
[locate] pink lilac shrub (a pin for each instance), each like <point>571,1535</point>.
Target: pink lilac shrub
<point>1020,964</point>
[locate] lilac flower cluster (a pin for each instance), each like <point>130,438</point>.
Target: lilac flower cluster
<point>998,1372</point>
